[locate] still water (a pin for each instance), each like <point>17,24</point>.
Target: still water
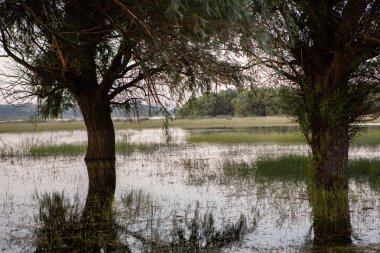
<point>163,200</point>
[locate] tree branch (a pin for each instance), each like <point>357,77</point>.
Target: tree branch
<point>118,65</point>
<point>133,82</point>
<point>18,59</point>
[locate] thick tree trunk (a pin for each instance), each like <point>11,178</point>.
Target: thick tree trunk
<point>100,130</point>
<point>330,156</point>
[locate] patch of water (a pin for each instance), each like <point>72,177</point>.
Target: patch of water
<point>174,181</point>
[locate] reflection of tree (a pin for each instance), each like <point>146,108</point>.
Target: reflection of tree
<point>65,227</point>
<point>332,226</point>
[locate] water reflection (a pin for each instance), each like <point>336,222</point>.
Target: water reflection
<point>331,219</point>
<point>66,228</point>
<point>100,227</point>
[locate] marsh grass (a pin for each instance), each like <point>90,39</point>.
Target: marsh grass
<point>238,170</point>
<point>331,204</point>
<point>245,137</point>
<point>368,137</point>
<point>57,149</point>
<point>294,168</point>
<point>123,148</point>
<point>44,126</point>
<point>365,170</point>
<point>286,167</point>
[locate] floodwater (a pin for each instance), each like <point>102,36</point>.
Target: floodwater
<point>163,201</point>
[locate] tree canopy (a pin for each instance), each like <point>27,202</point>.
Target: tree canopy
<point>328,54</point>
<point>242,103</point>
<point>67,47</point>
<point>111,53</point>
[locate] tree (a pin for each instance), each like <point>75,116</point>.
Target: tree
<point>329,55</point>
<point>209,104</point>
<point>223,102</point>
<point>257,102</point>
<point>100,54</point>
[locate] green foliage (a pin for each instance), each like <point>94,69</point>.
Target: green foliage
<point>322,49</point>
<point>209,105</point>
<point>256,102</point>
<point>120,51</point>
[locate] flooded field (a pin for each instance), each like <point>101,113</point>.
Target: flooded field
<point>182,197</point>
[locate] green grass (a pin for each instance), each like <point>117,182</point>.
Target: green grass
<point>272,134</point>
<point>369,137</point>
<point>80,149</point>
<point>278,129</point>
<point>286,167</point>
<point>244,137</point>
<point>265,168</point>
<point>294,168</point>
<point>61,149</point>
<point>29,126</point>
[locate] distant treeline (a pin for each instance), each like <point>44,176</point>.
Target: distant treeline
<point>255,102</point>
<point>28,110</point>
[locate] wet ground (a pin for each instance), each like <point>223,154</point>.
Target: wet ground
<point>163,192</point>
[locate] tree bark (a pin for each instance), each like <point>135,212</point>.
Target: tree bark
<point>100,130</point>
<point>330,156</point>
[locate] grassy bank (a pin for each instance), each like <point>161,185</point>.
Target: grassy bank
<point>29,126</point>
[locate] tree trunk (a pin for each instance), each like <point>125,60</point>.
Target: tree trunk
<point>330,156</point>
<point>100,130</point>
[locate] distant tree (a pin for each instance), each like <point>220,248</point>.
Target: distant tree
<point>223,102</point>
<point>329,55</point>
<point>100,54</point>
<point>209,104</point>
<point>257,102</point>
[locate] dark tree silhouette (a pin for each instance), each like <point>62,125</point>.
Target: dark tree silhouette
<point>329,55</point>
<point>100,54</point>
